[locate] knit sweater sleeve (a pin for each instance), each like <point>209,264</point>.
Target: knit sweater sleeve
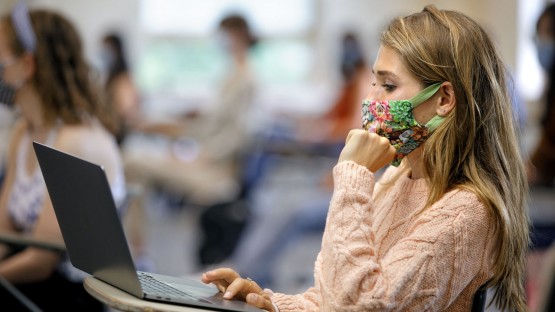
<point>426,270</point>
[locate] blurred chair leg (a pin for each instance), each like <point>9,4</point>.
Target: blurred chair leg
<point>17,296</point>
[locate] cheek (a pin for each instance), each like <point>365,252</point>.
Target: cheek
<point>9,76</point>
<point>377,93</point>
<point>373,93</point>
<point>14,74</point>
<point>424,112</point>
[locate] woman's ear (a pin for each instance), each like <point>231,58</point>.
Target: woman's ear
<point>447,100</point>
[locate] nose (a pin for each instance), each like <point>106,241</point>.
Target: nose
<point>375,93</point>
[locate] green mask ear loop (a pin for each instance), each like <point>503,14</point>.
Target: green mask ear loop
<point>434,122</point>
<point>425,94</point>
<point>422,97</point>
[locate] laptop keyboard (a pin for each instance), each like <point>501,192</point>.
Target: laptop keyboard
<point>156,288</point>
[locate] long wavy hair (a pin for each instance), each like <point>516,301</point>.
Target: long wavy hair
<point>62,77</point>
<point>119,64</point>
<point>476,148</point>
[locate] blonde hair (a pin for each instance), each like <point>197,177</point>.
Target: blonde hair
<point>476,148</point>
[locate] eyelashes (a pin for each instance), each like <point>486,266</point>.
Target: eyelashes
<point>388,87</point>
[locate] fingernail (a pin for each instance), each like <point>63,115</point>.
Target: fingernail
<point>251,297</point>
<point>227,295</point>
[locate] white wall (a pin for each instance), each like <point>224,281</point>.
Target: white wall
<point>6,5</point>
<point>94,18</point>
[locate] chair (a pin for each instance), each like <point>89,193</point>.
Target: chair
<point>479,301</point>
<point>222,224</point>
<point>9,293</point>
<point>546,301</point>
<point>7,290</point>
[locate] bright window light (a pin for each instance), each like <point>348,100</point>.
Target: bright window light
<point>199,18</point>
<point>529,75</point>
<point>181,52</point>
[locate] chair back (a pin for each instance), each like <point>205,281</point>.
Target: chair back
<point>14,300</point>
<point>546,296</point>
<point>479,301</point>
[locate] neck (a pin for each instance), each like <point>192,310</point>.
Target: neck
<point>416,164</point>
<point>31,107</point>
<point>240,56</point>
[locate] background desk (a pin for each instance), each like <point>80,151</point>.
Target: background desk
<point>122,301</point>
<point>22,240</point>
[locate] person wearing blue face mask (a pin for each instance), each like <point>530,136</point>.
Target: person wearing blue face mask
<point>542,169</point>
<point>450,214</point>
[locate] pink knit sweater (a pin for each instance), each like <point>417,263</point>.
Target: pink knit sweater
<point>379,255</point>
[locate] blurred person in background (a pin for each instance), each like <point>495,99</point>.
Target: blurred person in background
<point>542,171</point>
<point>45,78</point>
<point>196,159</point>
<point>434,228</point>
<point>325,133</point>
<point>121,90</point>
<point>203,161</point>
<point>332,127</point>
<point>541,167</point>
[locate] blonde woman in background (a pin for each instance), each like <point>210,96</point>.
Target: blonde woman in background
<point>451,217</point>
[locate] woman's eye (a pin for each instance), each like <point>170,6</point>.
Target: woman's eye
<point>389,87</point>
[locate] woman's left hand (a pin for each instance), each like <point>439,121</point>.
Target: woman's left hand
<point>233,286</point>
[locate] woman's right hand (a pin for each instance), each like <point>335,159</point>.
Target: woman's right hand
<point>367,149</point>
<point>233,286</point>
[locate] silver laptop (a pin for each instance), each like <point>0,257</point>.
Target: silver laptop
<point>95,240</point>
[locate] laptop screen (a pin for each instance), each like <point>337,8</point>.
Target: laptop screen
<point>88,218</point>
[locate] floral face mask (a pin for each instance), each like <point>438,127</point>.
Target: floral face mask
<point>395,121</point>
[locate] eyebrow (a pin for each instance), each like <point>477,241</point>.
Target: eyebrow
<point>385,73</point>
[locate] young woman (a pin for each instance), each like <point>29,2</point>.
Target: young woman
<point>45,77</point>
<point>122,92</point>
<point>451,217</point>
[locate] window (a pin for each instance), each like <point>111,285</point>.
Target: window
<point>181,50</point>
<point>529,75</point>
